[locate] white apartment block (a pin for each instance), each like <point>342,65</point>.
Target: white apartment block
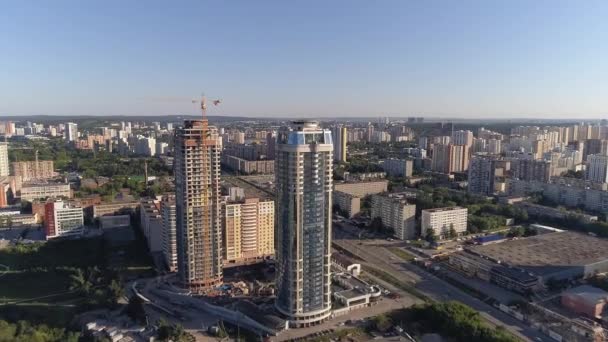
<point>597,168</point>
<point>71,131</point>
<point>441,220</point>
<point>60,219</point>
<point>462,138</point>
<point>4,166</point>
<point>168,213</point>
<point>396,213</point>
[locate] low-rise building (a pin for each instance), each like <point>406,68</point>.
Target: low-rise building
<point>30,192</point>
<point>118,221</point>
<point>586,300</point>
<point>60,219</point>
<point>115,208</point>
<point>248,166</point>
<point>396,213</point>
<point>362,189</point>
<point>443,220</point>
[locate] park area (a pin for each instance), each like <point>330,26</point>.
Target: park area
<point>53,281</point>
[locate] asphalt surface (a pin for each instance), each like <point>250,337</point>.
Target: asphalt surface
<point>375,253</point>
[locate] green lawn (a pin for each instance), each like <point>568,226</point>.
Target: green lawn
<point>401,253</point>
<point>55,253</point>
<point>25,285</point>
<point>45,269</point>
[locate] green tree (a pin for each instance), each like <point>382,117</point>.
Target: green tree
<point>382,323</point>
<point>430,236</point>
<point>452,234</point>
<point>135,309</point>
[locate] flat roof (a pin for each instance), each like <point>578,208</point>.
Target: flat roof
<point>547,253</point>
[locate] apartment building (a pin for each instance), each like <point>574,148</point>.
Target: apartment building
<point>4,167</point>
<point>348,203</point>
<point>169,235</point>
<point>33,170</point>
<point>396,213</point>
<point>248,235</point>
<point>304,164</point>
<point>398,167</point>
<point>151,224</point>
<point>442,220</point>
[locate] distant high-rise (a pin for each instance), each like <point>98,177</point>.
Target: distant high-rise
<point>483,171</point>
<point>4,166</point>
<point>303,238</point>
<point>270,145</point>
<point>462,138</point>
<point>597,168</point>
<point>71,131</point>
<point>340,137</point>
<point>450,158</point>
<point>198,207</point>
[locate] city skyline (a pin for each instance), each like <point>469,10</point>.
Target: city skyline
<point>344,59</point>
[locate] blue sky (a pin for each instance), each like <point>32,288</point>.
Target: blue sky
<point>306,58</point>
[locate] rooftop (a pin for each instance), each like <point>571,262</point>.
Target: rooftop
<point>547,253</point>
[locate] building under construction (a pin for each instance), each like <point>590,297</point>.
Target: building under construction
<point>198,210</point>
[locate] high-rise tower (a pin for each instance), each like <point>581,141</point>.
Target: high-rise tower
<point>198,209</point>
<point>303,168</point>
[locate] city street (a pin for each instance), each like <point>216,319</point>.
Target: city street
<point>373,253</point>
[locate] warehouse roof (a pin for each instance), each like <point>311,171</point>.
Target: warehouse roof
<point>547,253</point>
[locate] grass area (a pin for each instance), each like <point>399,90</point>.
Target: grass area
<point>24,285</point>
<point>48,269</point>
<point>39,313</point>
<point>387,277</point>
<point>52,254</point>
<point>401,253</point>
<point>454,319</point>
<point>350,334</point>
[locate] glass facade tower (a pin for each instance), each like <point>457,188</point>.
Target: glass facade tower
<point>304,157</point>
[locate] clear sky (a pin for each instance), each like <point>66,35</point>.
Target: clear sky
<point>486,58</point>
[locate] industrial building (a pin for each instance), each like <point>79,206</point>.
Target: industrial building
<point>526,264</point>
<point>586,300</point>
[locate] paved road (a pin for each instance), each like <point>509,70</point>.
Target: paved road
<point>373,252</point>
